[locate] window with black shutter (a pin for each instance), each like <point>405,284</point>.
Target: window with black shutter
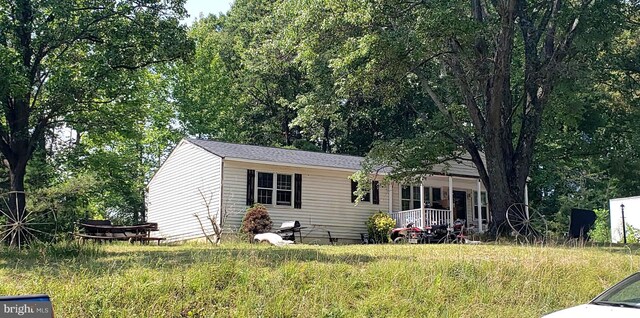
<point>251,176</point>
<point>375,188</point>
<point>354,187</point>
<point>297,193</point>
<point>276,189</point>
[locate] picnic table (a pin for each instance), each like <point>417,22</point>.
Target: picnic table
<point>104,231</point>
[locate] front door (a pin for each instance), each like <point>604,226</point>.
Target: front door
<point>460,205</point>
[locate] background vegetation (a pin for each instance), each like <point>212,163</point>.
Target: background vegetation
<point>323,75</point>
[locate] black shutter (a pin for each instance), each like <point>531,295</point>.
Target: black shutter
<point>297,192</point>
<point>375,187</point>
<point>251,181</point>
<point>354,187</point>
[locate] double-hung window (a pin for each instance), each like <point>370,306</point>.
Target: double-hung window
<point>483,202</point>
<point>284,188</point>
<point>436,198</point>
<point>265,188</point>
<point>410,197</point>
<point>281,189</point>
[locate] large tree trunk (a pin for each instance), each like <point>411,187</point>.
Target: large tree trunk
<point>508,151</point>
<point>503,191</point>
<point>326,141</point>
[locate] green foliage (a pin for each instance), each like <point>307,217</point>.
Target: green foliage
<point>122,156</point>
<point>60,205</point>
<point>379,225</point>
<point>77,67</point>
<point>633,234</point>
<point>601,231</point>
<point>256,220</point>
<point>205,98</point>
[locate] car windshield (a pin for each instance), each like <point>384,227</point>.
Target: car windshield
<point>624,294</point>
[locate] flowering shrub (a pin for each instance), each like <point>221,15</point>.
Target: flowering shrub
<point>379,225</point>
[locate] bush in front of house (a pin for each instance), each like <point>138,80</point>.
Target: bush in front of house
<point>379,225</point>
<point>256,220</point>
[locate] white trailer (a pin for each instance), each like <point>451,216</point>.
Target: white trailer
<point>631,215</point>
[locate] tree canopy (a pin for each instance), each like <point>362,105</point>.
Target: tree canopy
<point>95,93</point>
<point>63,60</point>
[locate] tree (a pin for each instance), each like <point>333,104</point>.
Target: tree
<point>63,58</point>
<point>123,154</point>
<point>489,68</point>
<point>587,152</point>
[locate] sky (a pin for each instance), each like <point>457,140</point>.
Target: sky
<point>196,7</point>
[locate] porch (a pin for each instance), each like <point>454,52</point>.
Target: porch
<point>441,199</point>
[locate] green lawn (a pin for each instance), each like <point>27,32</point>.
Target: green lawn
<point>241,280</point>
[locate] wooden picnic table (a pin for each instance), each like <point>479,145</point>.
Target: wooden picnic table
<point>102,230</point>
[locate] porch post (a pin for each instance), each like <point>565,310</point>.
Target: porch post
<point>526,199</point>
<point>479,198</point>
<point>451,200</point>
<point>390,196</point>
<point>422,214</point>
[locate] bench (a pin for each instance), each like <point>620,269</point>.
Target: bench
<point>146,239</point>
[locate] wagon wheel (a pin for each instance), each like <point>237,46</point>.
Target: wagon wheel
<point>527,224</point>
<point>27,227</point>
<point>402,239</point>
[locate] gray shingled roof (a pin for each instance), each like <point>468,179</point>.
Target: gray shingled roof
<point>309,158</point>
<point>270,154</point>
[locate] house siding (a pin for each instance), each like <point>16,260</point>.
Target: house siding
<point>174,192</point>
<point>326,202</point>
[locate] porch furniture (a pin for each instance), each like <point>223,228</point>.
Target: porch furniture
<point>288,230</point>
<point>104,231</point>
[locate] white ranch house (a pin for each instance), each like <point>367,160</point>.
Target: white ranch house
<point>313,188</point>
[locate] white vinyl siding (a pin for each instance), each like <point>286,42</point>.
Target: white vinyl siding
<point>176,192</point>
<point>326,201</point>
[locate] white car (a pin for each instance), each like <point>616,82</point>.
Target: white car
<point>620,301</point>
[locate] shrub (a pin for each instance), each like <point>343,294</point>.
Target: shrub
<point>601,231</point>
<point>256,220</point>
<point>379,225</point>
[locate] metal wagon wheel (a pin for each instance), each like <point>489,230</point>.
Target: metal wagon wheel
<point>28,226</point>
<point>527,224</point>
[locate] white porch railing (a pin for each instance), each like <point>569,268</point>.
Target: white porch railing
<point>432,216</point>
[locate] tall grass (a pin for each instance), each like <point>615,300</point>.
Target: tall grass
<point>242,280</point>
